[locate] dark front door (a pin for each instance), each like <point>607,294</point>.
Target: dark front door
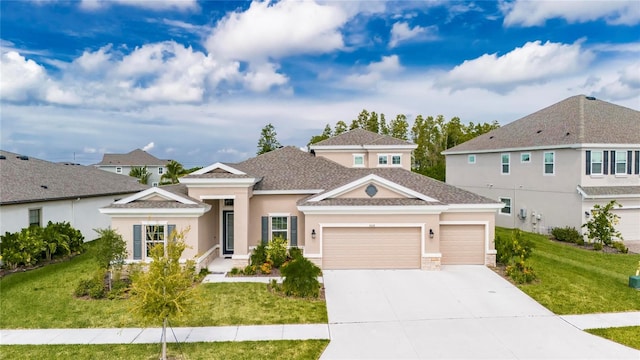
<point>227,232</point>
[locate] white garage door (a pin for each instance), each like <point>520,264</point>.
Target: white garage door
<point>629,224</point>
<point>462,244</point>
<point>371,248</point>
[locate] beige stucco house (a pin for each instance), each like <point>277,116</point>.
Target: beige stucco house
<point>123,163</point>
<point>350,202</point>
<point>551,167</point>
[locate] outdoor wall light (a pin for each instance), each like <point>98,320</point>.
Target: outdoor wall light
<point>313,233</point>
<point>431,234</point>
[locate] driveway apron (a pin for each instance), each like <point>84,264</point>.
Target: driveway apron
<point>460,312</point>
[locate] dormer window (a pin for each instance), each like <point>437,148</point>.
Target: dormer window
<point>118,170</point>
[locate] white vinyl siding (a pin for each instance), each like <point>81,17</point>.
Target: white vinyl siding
<point>549,163</point>
<point>506,163</point>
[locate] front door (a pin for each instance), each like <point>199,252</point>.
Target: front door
<point>227,232</point>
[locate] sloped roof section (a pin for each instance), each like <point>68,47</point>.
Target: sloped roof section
<point>575,120</point>
<point>361,137</point>
<point>33,180</point>
<point>136,157</point>
<point>172,197</point>
<point>612,191</point>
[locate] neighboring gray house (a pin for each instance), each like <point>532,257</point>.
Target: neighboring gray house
<point>123,163</point>
<point>34,192</point>
<point>551,167</point>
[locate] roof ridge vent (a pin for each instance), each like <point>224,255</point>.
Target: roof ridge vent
<point>590,97</point>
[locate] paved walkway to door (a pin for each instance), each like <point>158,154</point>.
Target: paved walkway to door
<point>459,312</point>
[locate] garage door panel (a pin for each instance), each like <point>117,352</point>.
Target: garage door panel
<point>371,248</point>
<point>462,244</point>
<point>629,223</point>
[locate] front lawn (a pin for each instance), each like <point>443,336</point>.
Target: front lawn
<point>43,298</point>
<point>629,335</point>
<point>307,349</point>
<point>578,281</point>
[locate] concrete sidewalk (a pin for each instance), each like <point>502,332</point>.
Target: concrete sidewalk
<point>604,320</point>
<point>153,335</point>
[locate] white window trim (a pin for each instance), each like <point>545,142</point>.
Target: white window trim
<point>391,158</point>
<point>386,156</point>
<point>624,173</point>
<point>601,163</point>
<point>144,234</point>
<point>470,156</point>
<point>358,156</point>
<point>39,216</point>
<point>160,170</point>
<point>508,164</point>
<point>544,163</point>
<point>118,169</point>
<point>510,206</point>
<point>287,216</point>
<point>525,162</point>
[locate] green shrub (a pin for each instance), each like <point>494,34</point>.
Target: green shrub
<point>235,271</point>
<point>258,255</point>
<point>111,248</point>
<point>301,278</point>
<point>250,270</point>
<point>597,246</point>
<point>568,234</point>
<point>74,238</point>
<point>520,272</point>
<point>93,287</point>
<point>22,248</point>
<point>265,268</point>
<point>295,253</point>
<point>277,251</point>
<point>514,252</point>
<point>620,247</point>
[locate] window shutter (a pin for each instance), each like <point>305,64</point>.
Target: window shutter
<point>605,162</point>
<point>588,162</point>
<point>294,231</point>
<point>637,163</point>
<point>629,161</point>
<point>265,229</point>
<point>137,242</point>
<point>170,229</point>
<point>613,162</point>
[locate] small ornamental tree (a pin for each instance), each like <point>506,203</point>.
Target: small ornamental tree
<point>166,289</point>
<point>601,226</point>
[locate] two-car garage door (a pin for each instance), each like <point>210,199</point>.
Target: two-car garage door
<point>371,248</point>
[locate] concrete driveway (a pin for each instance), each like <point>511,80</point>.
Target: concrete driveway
<point>461,312</point>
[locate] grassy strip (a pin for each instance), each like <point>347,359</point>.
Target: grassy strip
<point>624,335</point>
<point>43,298</point>
<point>286,349</point>
<point>578,281</point>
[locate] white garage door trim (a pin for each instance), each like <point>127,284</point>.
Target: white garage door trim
<point>487,251</point>
<point>370,225</point>
<point>625,224</point>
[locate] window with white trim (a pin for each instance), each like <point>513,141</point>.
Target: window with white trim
<point>383,160</point>
<point>506,163</point>
<point>621,162</point>
<point>160,170</point>
<point>154,184</point>
<point>596,163</point>
<point>506,210</point>
<point>279,226</point>
<point>118,170</point>
<point>358,160</point>
<point>154,235</point>
<point>396,160</point>
<point>35,217</point>
<point>471,159</point>
<point>525,158</point>
<point>549,163</point>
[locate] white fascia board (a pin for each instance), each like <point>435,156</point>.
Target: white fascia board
<point>359,147</point>
<point>360,210</point>
<point>213,182</point>
<point>373,178</point>
<point>474,207</point>
<point>514,149</point>
<point>218,165</point>
<point>287,192</point>
<point>155,191</point>
<point>190,212</point>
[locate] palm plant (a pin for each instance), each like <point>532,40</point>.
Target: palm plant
<point>173,171</point>
<point>141,173</point>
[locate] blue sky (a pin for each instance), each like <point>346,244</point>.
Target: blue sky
<point>195,81</point>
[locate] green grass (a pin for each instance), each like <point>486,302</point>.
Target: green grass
<point>43,298</point>
<point>307,349</point>
<point>578,281</point>
<point>629,336</point>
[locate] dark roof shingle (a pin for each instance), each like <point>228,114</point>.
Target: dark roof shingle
<point>361,137</point>
<point>136,157</point>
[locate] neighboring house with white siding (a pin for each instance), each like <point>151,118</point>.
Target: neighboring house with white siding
<point>551,167</point>
<point>34,192</point>
<point>123,163</point>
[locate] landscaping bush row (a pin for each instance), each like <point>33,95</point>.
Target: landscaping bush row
<point>31,245</point>
<point>514,252</point>
<point>568,234</point>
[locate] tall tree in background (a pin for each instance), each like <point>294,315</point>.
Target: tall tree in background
<point>340,128</point>
<point>173,171</point>
<point>141,173</point>
<point>325,135</point>
<point>399,127</point>
<point>268,141</point>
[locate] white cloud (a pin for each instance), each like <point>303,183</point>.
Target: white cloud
<point>269,31</point>
<point>401,32</point>
<point>20,78</point>
<point>536,13</point>
<point>532,63</point>
<point>375,72</point>
<point>263,77</point>
<point>149,146</point>
<point>625,84</point>
<point>155,5</point>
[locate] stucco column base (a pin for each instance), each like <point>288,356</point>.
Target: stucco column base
<point>430,263</point>
<point>490,260</point>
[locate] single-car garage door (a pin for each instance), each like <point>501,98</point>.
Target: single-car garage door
<point>629,223</point>
<point>462,244</point>
<point>371,248</point>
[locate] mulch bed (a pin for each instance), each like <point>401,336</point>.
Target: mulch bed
<point>588,246</point>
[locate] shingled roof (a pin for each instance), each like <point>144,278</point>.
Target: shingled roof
<point>26,179</point>
<point>571,122</point>
<point>361,137</point>
<point>136,157</point>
